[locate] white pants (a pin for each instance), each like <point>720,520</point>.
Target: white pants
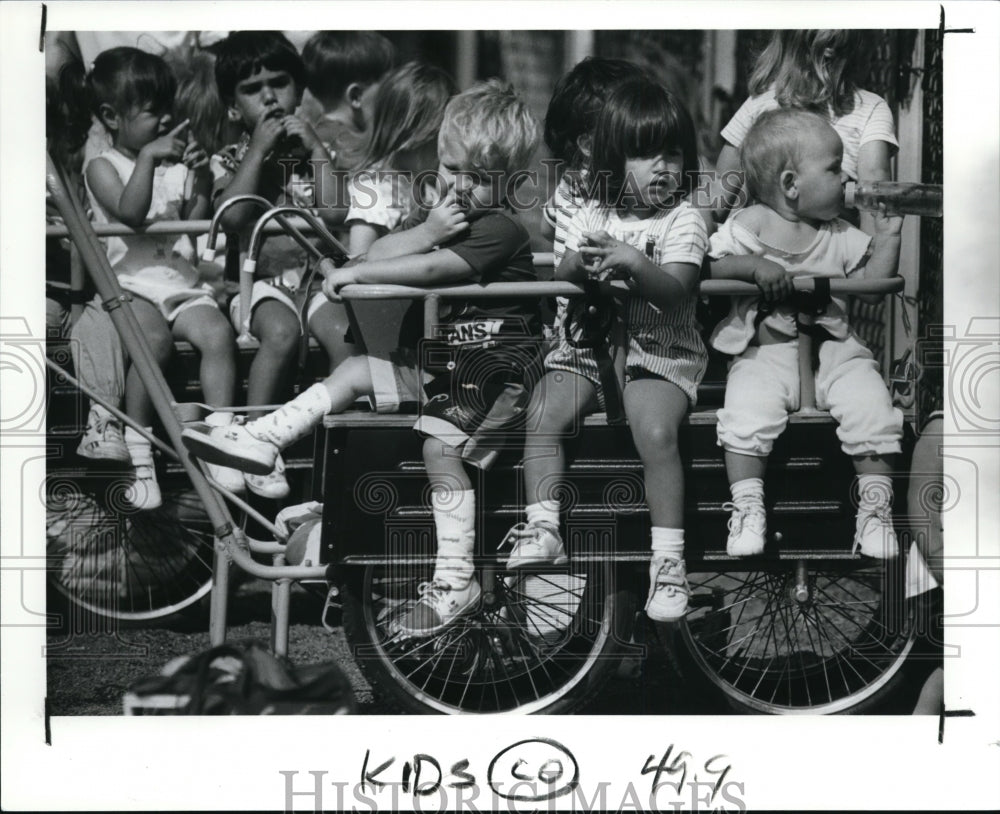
<point>763,387</point>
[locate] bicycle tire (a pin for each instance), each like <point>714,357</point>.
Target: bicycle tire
<point>544,643</point>
<point>842,651</point>
<point>109,561</point>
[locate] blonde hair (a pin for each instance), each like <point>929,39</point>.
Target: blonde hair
<point>493,125</point>
<point>776,141</point>
<point>814,69</point>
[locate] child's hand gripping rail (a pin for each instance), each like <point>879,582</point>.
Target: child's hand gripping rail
<point>808,286</point>
<point>713,288</point>
<point>335,250</point>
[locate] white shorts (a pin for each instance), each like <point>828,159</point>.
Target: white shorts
<point>763,387</point>
<point>272,289</point>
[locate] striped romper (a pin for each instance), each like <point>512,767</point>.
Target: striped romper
<point>662,344</point>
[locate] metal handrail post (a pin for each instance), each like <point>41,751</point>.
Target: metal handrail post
<point>124,320</point>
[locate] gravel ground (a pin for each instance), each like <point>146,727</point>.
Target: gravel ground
<point>90,669</point>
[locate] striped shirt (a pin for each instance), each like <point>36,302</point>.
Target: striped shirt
<point>870,120</point>
<point>665,343</point>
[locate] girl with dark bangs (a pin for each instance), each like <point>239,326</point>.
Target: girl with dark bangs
<point>153,171</point>
<point>639,226</point>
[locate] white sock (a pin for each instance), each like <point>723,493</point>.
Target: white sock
<point>140,450</point>
<point>545,512</point>
<point>748,491</point>
<point>455,521</point>
<point>289,423</point>
<point>875,491</point>
<point>668,542</point>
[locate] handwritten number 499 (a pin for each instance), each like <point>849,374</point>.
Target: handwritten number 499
<point>678,764</point>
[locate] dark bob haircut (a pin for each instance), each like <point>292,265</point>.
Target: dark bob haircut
<point>244,53</point>
<point>127,78</point>
<point>641,119</point>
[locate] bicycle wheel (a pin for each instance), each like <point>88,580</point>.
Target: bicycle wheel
<point>113,562</point>
<point>771,647</point>
<point>542,642</point>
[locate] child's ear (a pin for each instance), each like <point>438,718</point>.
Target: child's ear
<point>789,183</point>
<point>108,116</point>
<point>353,94</point>
<point>584,142</point>
<point>233,114</point>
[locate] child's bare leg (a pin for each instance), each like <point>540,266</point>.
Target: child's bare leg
<point>329,324</point>
<point>874,464</point>
<point>277,328</point>
<point>558,404</point>
<point>143,492</point>
<point>210,333</point>
<point>212,336</point>
<point>740,467</point>
<point>655,409</point>
<point>157,334</point>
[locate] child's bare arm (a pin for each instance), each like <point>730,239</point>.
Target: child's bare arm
<point>662,290</point>
<point>445,220</point>
<point>129,202</point>
<point>884,259</point>
<point>572,268</point>
<point>434,268</point>
<point>246,180</point>
<point>774,282</point>
<point>728,186</point>
<point>198,195</point>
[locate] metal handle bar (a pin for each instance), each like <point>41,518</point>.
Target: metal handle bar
<point>714,288</point>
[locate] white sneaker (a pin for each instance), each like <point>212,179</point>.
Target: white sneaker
<point>668,589</point>
<point>103,439</point>
<point>233,446</point>
<point>534,545</point>
<point>874,534</point>
<point>144,492</point>
<point>747,529</point>
<point>273,485</point>
<point>439,606</point>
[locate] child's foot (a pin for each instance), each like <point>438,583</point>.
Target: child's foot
<point>144,492</point>
<point>747,529</point>
<point>233,446</point>
<point>874,534</point>
<point>102,439</point>
<point>273,485</point>
<point>535,545</point>
<point>668,589</point>
<point>439,606</point>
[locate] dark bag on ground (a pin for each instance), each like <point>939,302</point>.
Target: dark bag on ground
<point>241,678</point>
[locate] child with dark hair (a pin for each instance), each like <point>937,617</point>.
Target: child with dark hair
<point>792,160</point>
<point>343,73</point>
<point>261,79</point>
<point>576,102</point>
<point>152,172</point>
<point>638,223</point>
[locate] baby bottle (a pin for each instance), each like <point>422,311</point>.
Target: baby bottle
<point>899,197</point>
